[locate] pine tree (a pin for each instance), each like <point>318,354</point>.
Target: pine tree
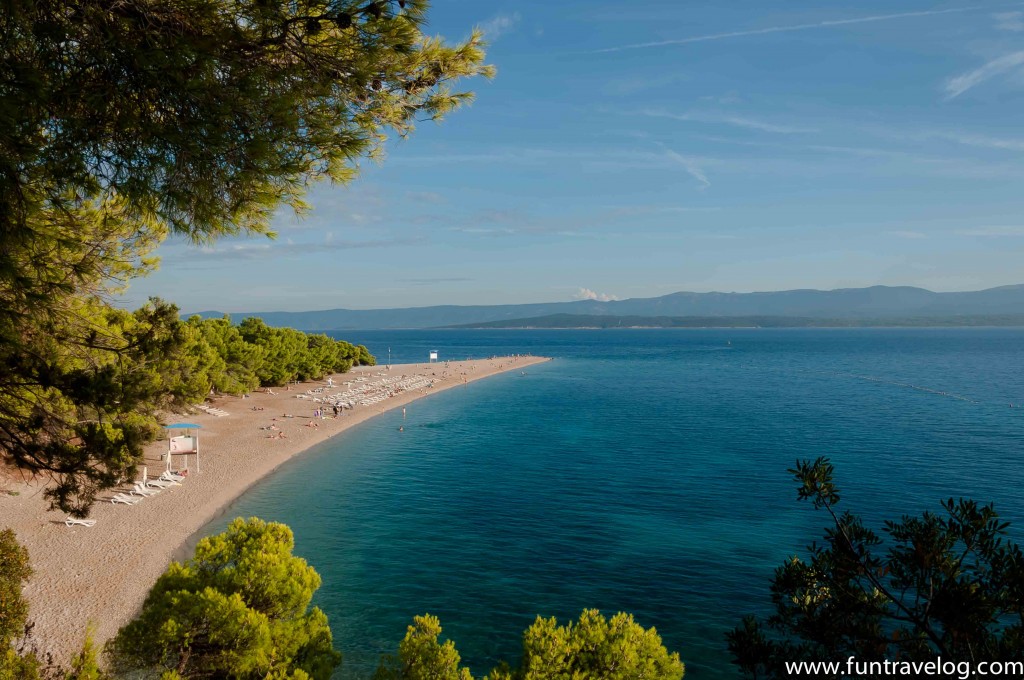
<point>124,122</point>
<point>238,609</point>
<point>943,585</point>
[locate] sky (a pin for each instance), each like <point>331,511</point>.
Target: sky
<point>633,149</point>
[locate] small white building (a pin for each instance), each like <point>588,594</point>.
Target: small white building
<point>433,356</point>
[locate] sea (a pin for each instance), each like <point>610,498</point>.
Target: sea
<point>642,471</point>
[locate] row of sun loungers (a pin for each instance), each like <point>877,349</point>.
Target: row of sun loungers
<point>148,487</point>
<point>365,393</point>
<point>375,392</point>
<point>212,410</point>
<point>140,490</point>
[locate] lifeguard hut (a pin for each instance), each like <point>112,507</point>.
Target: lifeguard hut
<point>433,356</point>
<point>182,444</point>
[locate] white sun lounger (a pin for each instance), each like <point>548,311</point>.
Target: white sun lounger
<point>125,499</point>
<point>73,521</point>
<point>142,490</point>
<point>213,411</point>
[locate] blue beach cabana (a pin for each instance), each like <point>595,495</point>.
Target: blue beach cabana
<point>182,442</point>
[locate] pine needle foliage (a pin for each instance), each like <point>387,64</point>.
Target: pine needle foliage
<point>238,609</point>
<point>946,584</point>
<point>594,647</point>
<point>123,122</point>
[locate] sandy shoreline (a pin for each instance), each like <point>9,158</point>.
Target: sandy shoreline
<point>102,574</point>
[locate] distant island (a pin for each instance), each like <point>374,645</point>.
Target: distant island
<point>582,321</point>
<point>873,306</point>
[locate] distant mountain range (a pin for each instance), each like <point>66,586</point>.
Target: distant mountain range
<point>874,303</point>
<point>595,321</point>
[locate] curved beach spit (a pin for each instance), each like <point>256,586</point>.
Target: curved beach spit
<point>101,574</point>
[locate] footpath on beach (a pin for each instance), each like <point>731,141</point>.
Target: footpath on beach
<point>101,574</point>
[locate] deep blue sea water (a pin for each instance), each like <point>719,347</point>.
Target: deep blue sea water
<point>640,471</point>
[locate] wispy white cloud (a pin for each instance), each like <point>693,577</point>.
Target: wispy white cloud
<point>782,29</point>
<point>499,25</point>
<point>908,234</point>
<point>727,98</point>
<point>256,251</point>
<point>424,197</point>
<point>702,167</point>
<point>630,210</point>
<point>431,281</point>
<point>830,149</point>
<point>990,232</point>
<point>614,157</point>
<point>957,85</point>
<point>360,218</point>
<point>717,236</point>
<point>519,155</point>
<point>1009,21</point>
<point>984,141</point>
<point>587,294</point>
<point>628,86</point>
<point>486,231</point>
<point>753,124</point>
<point>871,152</point>
<point>691,168</point>
<point>730,119</point>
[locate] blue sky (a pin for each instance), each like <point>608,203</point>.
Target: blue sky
<point>636,149</point>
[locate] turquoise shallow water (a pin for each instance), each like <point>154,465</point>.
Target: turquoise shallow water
<point>642,471</point>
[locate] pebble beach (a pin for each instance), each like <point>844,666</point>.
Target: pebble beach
<point>100,575</point>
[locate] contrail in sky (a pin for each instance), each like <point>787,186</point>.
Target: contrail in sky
<point>957,86</point>
<point>784,29</point>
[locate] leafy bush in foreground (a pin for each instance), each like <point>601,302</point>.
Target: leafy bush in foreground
<point>238,609</point>
<point>14,570</point>
<point>593,647</point>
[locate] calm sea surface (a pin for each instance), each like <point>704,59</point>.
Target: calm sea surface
<point>640,471</point>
